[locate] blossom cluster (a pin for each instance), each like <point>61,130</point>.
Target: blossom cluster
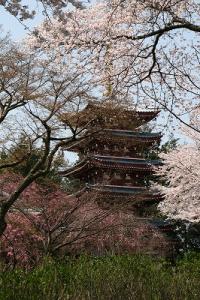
<point>115,45</point>
<point>181,174</point>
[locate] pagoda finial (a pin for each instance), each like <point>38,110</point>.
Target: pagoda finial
<point>108,74</point>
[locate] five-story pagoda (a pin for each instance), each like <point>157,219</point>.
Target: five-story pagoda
<point>114,155</point>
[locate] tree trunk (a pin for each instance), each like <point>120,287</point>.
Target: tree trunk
<point>3,226</point>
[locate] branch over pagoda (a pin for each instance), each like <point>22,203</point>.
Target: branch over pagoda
<point>114,158</point>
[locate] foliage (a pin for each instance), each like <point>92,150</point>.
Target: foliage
<point>187,235</point>
<point>127,277</point>
<point>17,151</point>
<point>169,145</point>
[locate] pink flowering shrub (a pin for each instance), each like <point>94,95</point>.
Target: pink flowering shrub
<point>20,244</point>
<point>46,220</point>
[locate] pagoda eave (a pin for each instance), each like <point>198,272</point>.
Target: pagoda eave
<point>128,165</point>
<point>120,140</point>
<point>140,194</point>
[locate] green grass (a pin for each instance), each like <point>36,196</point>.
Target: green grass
<point>111,277</point>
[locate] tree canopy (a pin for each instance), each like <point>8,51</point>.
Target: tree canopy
<point>147,51</point>
<point>181,170</point>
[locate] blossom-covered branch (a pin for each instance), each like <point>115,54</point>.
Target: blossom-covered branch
<point>141,48</point>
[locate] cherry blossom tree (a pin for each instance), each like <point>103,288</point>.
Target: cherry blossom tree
<point>34,93</point>
<point>181,174</point>
<point>24,10</point>
<point>139,49</point>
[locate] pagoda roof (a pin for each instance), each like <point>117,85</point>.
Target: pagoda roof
<point>120,189</point>
<point>111,162</point>
<point>107,114</point>
<point>80,167</point>
<point>139,193</point>
<point>126,160</point>
<point>111,106</point>
<point>133,134</point>
<point>116,135</point>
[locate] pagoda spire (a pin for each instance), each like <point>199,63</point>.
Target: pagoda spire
<point>108,74</point>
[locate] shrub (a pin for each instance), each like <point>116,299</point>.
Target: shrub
<point>109,277</point>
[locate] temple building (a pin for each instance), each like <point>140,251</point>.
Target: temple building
<point>115,153</point>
